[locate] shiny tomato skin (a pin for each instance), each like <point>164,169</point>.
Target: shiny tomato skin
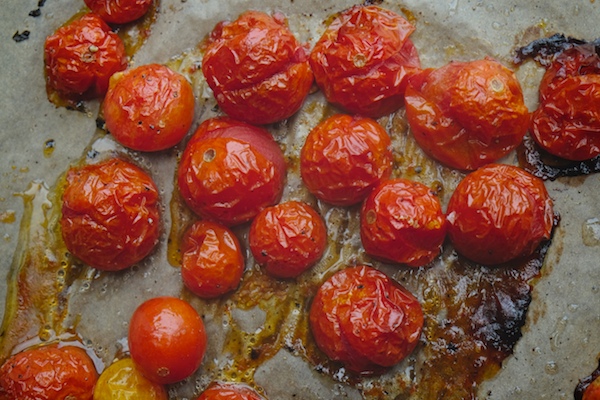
<point>119,11</point>
<point>499,213</point>
<point>167,339</point>
<point>258,71</point>
<point>149,108</point>
<point>123,381</point>
<point>344,158</point>
<point>230,171</point>
<point>49,372</point>
<point>402,221</point>
<point>81,57</point>
<point>287,239</point>
<point>592,391</point>
<point>229,391</point>
<point>110,214</point>
<point>363,59</point>
<point>467,114</point>
<point>212,262</point>
<point>365,320</point>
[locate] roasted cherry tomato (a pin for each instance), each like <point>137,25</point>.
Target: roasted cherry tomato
<point>110,214</point>
<point>119,11</point>
<point>499,213</point>
<point>288,238</point>
<point>81,57</point>
<point>230,171</point>
<point>167,339</point>
<point>123,381</point>
<point>365,320</point>
<point>48,373</point>
<point>592,391</point>
<point>467,114</point>
<point>363,59</point>
<point>229,391</point>
<point>212,263</point>
<point>344,158</point>
<point>567,121</point>
<point>402,222</point>
<point>149,108</point>
<point>256,68</point>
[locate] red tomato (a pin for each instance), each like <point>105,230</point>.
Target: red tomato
<point>123,381</point>
<point>48,373</point>
<point>167,339</point>
<point>287,239</point>
<point>119,11</point>
<point>229,391</point>
<point>402,222</point>
<point>363,59</point>
<point>344,158</point>
<point>467,114</point>
<point>110,214</point>
<point>365,320</point>
<point>256,68</point>
<point>212,263</point>
<point>499,213</point>
<point>592,392</point>
<point>230,171</point>
<point>81,57</point>
<point>149,108</point>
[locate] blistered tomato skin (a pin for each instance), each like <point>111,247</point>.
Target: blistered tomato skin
<point>230,171</point>
<point>499,213</point>
<point>110,214</point>
<point>119,11</point>
<point>365,320</point>
<point>287,239</point>
<point>167,339</point>
<point>212,262</point>
<point>363,59</point>
<point>402,222</point>
<point>48,373</point>
<point>467,114</point>
<point>149,108</point>
<point>123,381</point>
<point>81,57</point>
<point>258,71</point>
<point>344,158</point>
<point>592,392</point>
<point>229,391</point>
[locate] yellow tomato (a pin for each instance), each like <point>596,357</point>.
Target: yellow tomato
<point>123,381</point>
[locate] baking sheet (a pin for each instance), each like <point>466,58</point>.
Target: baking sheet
<point>38,141</point>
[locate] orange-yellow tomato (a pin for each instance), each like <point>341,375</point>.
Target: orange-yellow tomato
<point>123,381</point>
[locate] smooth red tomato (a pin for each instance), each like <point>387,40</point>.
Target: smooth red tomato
<point>365,320</point>
<point>212,262</point>
<point>149,108</point>
<point>499,213</point>
<point>467,114</point>
<point>123,381</point>
<point>402,222</point>
<point>119,11</point>
<point>81,57</point>
<point>592,391</point>
<point>344,158</point>
<point>363,59</point>
<point>230,171</point>
<point>229,391</point>
<point>48,373</point>
<point>167,340</point>
<point>256,68</point>
<point>110,214</point>
<point>287,239</point>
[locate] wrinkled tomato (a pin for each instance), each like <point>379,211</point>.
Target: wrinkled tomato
<point>402,221</point>
<point>110,214</point>
<point>119,11</point>
<point>167,339</point>
<point>499,213</point>
<point>81,57</point>
<point>363,59</point>
<point>149,108</point>
<point>287,239</point>
<point>256,68</point>
<point>344,158</point>
<point>229,391</point>
<point>123,381</point>
<point>48,373</point>
<point>467,114</point>
<point>230,171</point>
<point>592,391</point>
<point>365,320</point>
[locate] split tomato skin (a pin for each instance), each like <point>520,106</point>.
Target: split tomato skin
<point>123,381</point>
<point>149,108</point>
<point>258,71</point>
<point>363,59</point>
<point>499,213</point>
<point>110,214</point>
<point>119,11</point>
<point>229,391</point>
